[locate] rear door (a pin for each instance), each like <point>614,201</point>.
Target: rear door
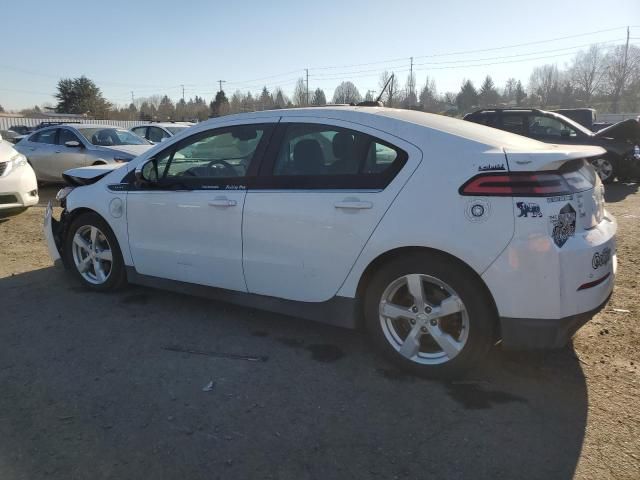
<point>321,192</point>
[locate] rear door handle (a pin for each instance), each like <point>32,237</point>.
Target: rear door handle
<point>353,204</point>
<point>222,202</point>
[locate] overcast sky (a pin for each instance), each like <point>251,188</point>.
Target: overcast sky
<point>154,47</point>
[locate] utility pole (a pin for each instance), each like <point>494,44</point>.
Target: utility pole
<point>220,82</point>
<point>307,70</point>
<point>182,92</point>
<point>411,86</point>
<point>132,99</point>
<point>626,50</point>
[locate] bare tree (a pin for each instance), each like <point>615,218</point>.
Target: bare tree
<point>411,97</point>
<point>621,67</point>
<point>300,93</point>
<point>587,71</point>
<point>346,92</point>
<point>390,95</point>
<point>544,82</point>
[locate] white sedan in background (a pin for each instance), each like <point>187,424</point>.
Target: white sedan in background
<point>52,150</point>
<point>18,185</point>
<point>440,236</point>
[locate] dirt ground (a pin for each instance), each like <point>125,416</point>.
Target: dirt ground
<point>89,389</point>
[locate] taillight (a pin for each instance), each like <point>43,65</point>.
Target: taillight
<point>517,184</point>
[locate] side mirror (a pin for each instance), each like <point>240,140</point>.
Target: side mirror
<point>146,174</point>
<point>565,133</point>
<point>73,144</point>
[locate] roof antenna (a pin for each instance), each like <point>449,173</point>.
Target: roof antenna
<point>385,87</point>
<point>377,102</point>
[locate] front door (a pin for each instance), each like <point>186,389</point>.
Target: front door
<point>66,157</point>
<point>321,192</point>
<point>187,226</point>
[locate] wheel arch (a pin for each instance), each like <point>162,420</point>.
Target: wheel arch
<point>69,218</point>
<point>392,254</point>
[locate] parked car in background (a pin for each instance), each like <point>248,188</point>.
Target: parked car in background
<point>11,136</point>
<point>21,129</point>
<point>584,116</point>
<point>52,150</point>
<point>159,132</point>
<point>441,235</point>
<point>18,185</point>
<point>621,140</point>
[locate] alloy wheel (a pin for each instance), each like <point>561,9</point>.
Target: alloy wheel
<point>604,168</point>
<point>92,254</point>
<point>424,319</point>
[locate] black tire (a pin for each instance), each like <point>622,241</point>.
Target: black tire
<point>117,277</point>
<point>611,164</point>
<point>482,319</point>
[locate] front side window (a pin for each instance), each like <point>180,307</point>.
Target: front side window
<point>322,156</point>
<point>67,136</point>
<point>549,127</point>
<point>213,155</point>
<point>45,136</point>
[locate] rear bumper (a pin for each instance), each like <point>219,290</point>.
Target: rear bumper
<point>542,333</point>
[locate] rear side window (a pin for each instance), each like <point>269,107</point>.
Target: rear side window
<point>488,119</point>
<point>46,136</point>
<point>329,157</point>
<point>514,123</point>
<point>140,131</point>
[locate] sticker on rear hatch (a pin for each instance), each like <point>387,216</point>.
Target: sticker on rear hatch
<point>600,259</point>
<point>564,225</point>
<point>528,208</point>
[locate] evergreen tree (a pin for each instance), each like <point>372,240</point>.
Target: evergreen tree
<point>488,95</point>
<point>81,96</point>
<point>319,97</point>
<point>219,106</point>
<point>467,98</point>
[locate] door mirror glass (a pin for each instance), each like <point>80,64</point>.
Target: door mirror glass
<point>72,144</point>
<point>148,173</point>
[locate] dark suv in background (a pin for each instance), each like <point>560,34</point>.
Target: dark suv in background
<point>621,141</point>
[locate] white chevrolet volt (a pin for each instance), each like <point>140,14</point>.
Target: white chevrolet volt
<point>440,237</point>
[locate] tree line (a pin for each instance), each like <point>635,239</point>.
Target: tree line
<point>605,79</point>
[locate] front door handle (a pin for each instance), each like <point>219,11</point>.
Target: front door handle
<point>222,202</point>
<point>353,204</point>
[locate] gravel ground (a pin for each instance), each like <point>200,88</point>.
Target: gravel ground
<point>88,388</point>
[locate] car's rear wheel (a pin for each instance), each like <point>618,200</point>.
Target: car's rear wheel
<point>605,169</point>
<point>93,255</point>
<point>429,315</point>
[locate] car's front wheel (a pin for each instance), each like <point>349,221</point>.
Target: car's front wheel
<point>93,255</point>
<point>429,315</point>
<point>605,169</point>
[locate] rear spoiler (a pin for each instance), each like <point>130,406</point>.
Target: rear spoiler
<point>549,158</point>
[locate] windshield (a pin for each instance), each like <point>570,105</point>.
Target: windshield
<point>106,137</point>
<point>175,130</point>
